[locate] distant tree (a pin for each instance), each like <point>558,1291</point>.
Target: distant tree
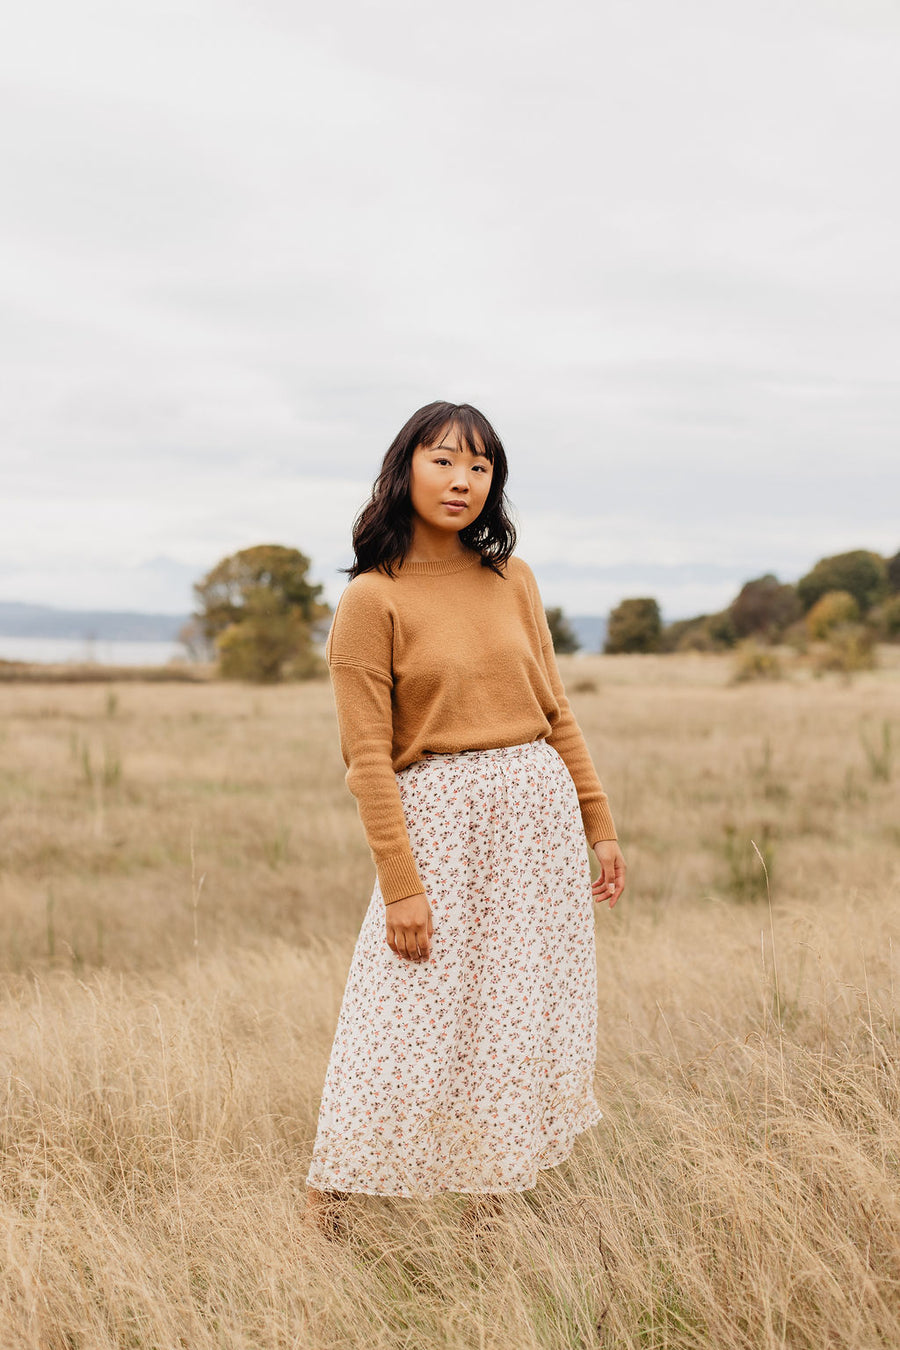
<point>684,635</point>
<point>562,632</point>
<point>861,572</point>
<point>893,573</point>
<point>885,619</point>
<point>703,633</point>
<point>720,628</point>
<point>258,609</point>
<point>764,608</point>
<point>830,611</point>
<point>634,626</point>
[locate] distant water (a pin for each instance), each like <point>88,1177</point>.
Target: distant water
<point>104,652</point>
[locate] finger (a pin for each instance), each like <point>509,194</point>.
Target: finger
<point>411,951</point>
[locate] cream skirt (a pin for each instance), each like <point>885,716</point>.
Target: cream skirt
<point>472,1070</point>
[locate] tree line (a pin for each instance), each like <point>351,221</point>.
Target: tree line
<point>260,618</point>
<point>854,594</point>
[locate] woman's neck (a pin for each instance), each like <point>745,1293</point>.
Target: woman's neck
<point>435,546</point>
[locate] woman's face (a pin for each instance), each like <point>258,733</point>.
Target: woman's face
<point>449,484</point>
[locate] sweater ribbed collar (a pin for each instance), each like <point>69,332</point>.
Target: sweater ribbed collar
<point>438,568</point>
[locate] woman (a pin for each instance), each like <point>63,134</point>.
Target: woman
<point>464,1053</point>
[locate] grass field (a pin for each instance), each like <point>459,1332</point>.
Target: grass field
<point>182,877</point>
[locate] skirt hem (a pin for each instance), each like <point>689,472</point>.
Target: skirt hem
<point>408,1193</point>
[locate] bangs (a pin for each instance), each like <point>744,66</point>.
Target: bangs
<point>472,428</point>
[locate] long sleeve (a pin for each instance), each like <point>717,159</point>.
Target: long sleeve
<point>568,741</point>
<point>359,656</point>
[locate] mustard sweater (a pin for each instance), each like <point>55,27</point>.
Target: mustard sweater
<point>445,656</point>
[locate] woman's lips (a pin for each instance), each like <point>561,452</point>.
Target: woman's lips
<point>454,506</point>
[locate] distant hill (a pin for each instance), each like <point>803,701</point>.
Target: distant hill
<point>21,620</point>
<point>44,621</point>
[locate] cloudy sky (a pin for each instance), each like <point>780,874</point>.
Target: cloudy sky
<point>656,243</point>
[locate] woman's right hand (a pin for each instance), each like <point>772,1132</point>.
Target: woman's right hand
<point>409,927</point>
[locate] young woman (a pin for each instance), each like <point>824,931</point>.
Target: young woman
<point>465,1047</point>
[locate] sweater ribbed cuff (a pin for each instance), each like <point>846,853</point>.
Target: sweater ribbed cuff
<point>598,823</point>
<point>397,876</point>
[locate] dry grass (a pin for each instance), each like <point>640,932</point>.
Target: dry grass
<point>166,1023</point>
<point>92,672</point>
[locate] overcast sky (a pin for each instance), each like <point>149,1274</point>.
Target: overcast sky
<point>656,243</point>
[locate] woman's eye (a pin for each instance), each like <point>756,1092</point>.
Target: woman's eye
<point>483,468</point>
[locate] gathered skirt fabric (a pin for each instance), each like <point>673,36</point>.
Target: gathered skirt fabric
<point>473,1070</point>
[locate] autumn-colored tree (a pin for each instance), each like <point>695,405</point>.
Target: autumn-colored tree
<point>564,636</point>
<point>860,572</point>
<point>258,608</point>
<point>832,610</point>
<point>764,608</point>
<point>634,626</point>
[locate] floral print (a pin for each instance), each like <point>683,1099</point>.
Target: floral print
<point>472,1070</point>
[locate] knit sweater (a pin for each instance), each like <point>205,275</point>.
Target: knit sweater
<point>445,656</point>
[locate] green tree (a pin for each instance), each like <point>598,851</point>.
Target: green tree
<point>764,607</point>
<point>893,573</point>
<point>634,626</point>
<point>720,627</point>
<point>562,632</point>
<point>862,573</point>
<point>703,633</point>
<point>259,611</point>
<point>685,635</point>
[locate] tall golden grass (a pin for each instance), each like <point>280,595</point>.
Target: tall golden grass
<point>183,875</point>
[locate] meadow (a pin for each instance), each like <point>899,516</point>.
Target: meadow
<point>182,877</point>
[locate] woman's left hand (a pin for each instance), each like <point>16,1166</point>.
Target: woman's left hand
<point>611,882</point>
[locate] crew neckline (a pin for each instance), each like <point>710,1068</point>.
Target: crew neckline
<point>438,567</point>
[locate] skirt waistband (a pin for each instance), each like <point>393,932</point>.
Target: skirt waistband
<point>491,752</point>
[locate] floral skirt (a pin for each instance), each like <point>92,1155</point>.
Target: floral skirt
<point>472,1070</point>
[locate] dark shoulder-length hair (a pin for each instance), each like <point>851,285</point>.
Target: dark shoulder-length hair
<point>383,529</point>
